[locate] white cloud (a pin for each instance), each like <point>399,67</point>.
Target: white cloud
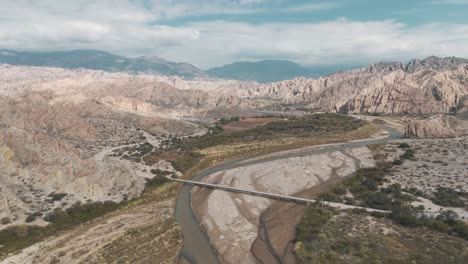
<point>129,27</point>
<point>105,24</point>
<point>333,42</point>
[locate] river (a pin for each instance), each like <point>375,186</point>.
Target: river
<point>197,248</point>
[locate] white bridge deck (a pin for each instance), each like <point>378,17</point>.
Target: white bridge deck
<point>276,196</point>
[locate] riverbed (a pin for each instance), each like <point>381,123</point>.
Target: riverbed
<point>197,247</point>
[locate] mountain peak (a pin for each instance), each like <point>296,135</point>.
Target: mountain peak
<point>435,63</point>
<point>99,60</point>
<point>431,62</point>
<point>154,59</point>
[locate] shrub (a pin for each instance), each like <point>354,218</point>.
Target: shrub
<point>223,121</point>
<point>341,246</point>
<point>376,200</point>
<point>331,197</point>
<point>408,215</point>
<point>156,181</point>
<point>448,216</point>
<point>449,197</point>
<point>358,189</point>
<point>340,190</point>
<point>57,196</point>
<point>403,145</point>
<point>159,172</point>
<point>394,189</point>
<point>314,219</point>
<point>5,221</point>
<point>415,191</point>
<point>30,218</point>
<point>439,225</point>
<point>371,184</point>
<point>409,154</point>
<point>461,228</point>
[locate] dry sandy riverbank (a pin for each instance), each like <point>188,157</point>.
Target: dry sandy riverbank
<point>232,220</point>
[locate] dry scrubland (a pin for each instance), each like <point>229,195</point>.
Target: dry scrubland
<point>359,238</point>
<point>145,224</point>
<point>423,183</point>
<point>437,163</point>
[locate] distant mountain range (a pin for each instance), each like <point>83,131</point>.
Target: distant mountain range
<point>269,71</point>
<point>100,60</point>
<point>260,71</point>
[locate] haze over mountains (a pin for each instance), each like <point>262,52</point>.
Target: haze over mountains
<point>269,71</point>
<point>99,60</point>
<point>260,71</point>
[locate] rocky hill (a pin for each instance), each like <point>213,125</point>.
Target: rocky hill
<point>432,85</point>
<point>437,127</point>
<point>59,129</point>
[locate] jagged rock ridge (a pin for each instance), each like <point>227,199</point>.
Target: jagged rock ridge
<point>432,85</point>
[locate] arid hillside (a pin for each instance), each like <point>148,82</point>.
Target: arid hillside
<point>432,85</point>
<point>58,127</point>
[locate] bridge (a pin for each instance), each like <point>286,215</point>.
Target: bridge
<point>276,196</point>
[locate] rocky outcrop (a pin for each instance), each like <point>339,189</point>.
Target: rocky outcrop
<point>437,127</point>
<point>59,129</point>
<point>432,85</point>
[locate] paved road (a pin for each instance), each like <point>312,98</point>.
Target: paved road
<point>197,248</point>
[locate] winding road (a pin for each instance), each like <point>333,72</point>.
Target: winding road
<point>197,248</point>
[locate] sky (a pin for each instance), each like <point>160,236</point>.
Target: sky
<point>210,33</point>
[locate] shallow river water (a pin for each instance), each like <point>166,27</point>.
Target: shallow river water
<point>197,248</point>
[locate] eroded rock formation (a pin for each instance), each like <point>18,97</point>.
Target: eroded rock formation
<point>436,127</point>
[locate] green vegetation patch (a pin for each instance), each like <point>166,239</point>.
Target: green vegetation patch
<point>306,126</point>
<point>315,217</point>
<point>325,237</point>
<point>356,238</point>
<point>449,197</point>
<point>15,238</point>
<point>183,152</point>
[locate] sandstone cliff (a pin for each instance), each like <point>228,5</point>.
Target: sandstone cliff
<point>436,127</point>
